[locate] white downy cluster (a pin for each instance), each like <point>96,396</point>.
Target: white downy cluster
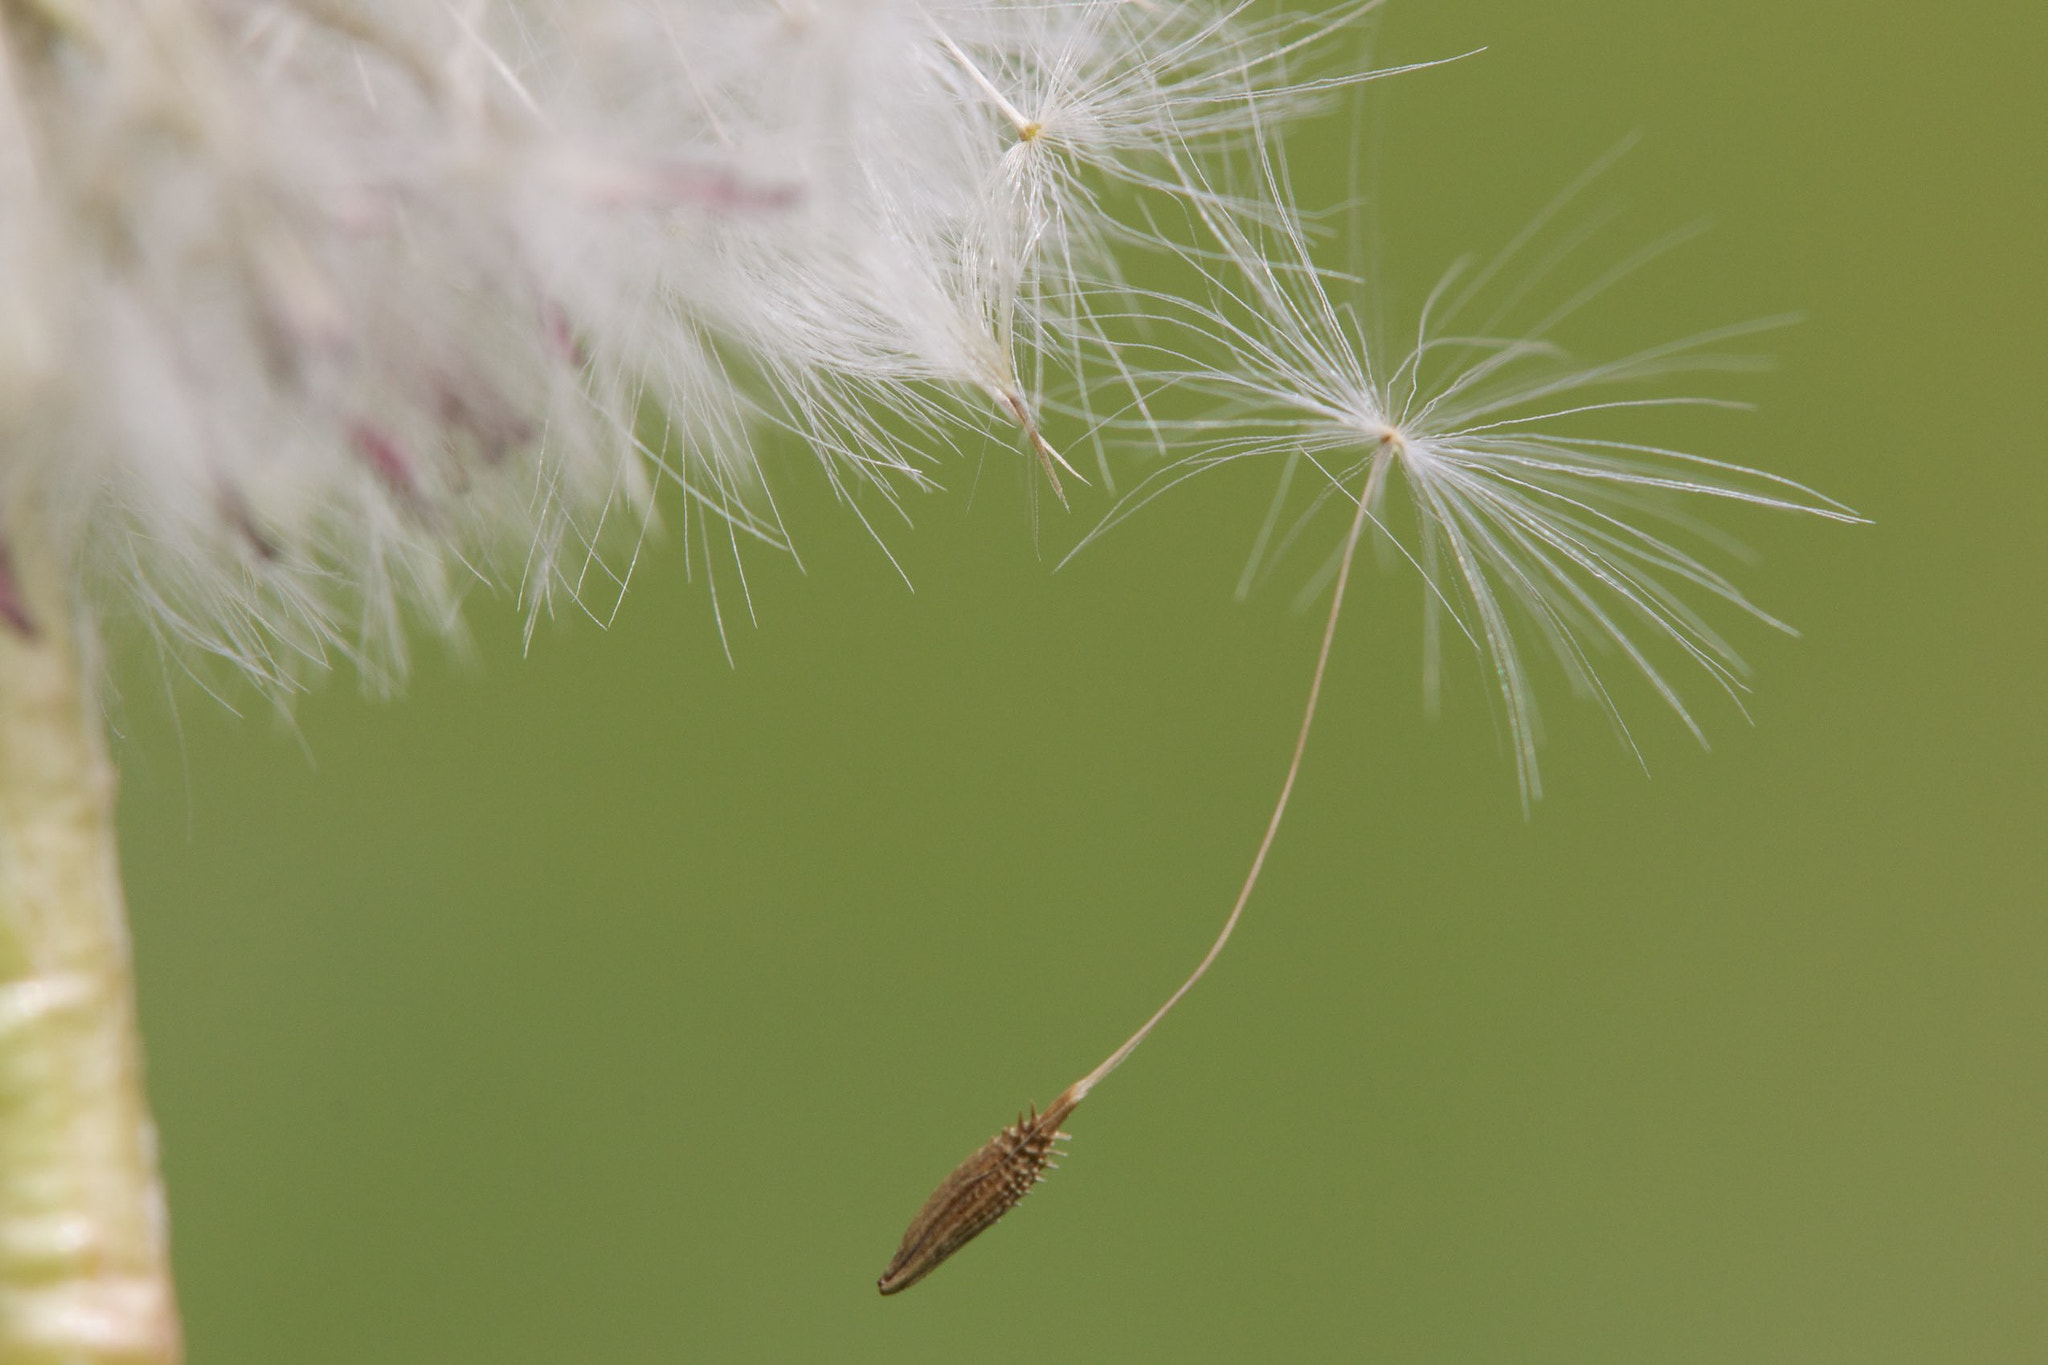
<point>1523,518</point>
<point>318,311</point>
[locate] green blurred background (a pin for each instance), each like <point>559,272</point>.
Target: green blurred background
<point>614,1004</point>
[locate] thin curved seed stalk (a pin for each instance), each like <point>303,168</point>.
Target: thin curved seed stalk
<point>995,1179</point>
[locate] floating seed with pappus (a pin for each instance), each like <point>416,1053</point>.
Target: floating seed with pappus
<point>1515,516</point>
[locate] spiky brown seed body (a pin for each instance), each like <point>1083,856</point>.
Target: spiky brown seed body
<point>979,1191</point>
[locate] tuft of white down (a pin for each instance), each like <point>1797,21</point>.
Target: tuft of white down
<point>319,312</point>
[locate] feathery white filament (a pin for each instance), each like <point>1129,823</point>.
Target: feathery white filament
<point>1519,522</point>
<point>323,310</point>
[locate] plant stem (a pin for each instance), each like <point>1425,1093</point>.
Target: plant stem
<point>84,1265</point>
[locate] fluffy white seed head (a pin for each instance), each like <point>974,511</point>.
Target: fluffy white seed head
<point>321,311</point>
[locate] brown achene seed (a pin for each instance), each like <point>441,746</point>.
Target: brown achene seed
<point>979,1191</point>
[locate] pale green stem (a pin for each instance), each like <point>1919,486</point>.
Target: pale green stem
<point>84,1267</point>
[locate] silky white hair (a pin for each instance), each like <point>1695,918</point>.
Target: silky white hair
<point>319,312</point>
